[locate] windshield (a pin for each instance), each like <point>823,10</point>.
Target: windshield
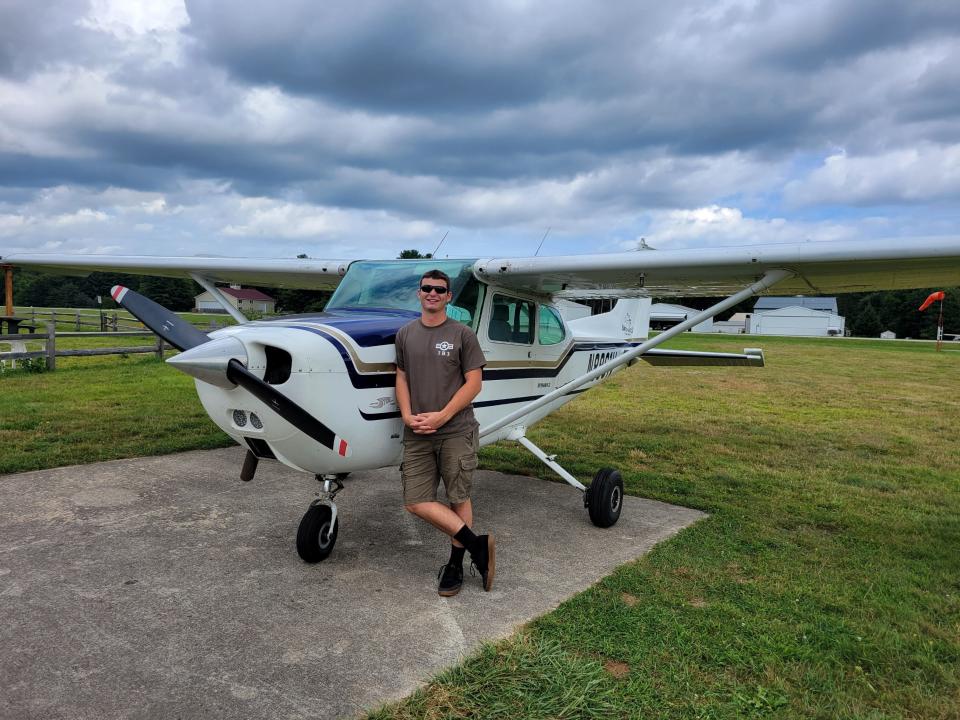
<point>394,283</point>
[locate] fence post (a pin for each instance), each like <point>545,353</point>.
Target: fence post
<point>33,316</point>
<point>78,321</point>
<point>51,345</point>
<point>115,321</point>
<point>159,348</point>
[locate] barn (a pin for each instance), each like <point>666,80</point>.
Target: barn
<point>244,299</point>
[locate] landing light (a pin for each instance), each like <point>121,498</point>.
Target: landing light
<point>255,421</point>
<point>239,418</point>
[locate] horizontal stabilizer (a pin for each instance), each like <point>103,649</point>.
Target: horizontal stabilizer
<point>752,357</point>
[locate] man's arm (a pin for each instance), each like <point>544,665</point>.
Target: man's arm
<point>433,421</point>
<point>403,398</point>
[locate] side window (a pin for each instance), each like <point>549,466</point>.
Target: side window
<point>551,326</point>
<point>511,320</point>
<point>466,305</point>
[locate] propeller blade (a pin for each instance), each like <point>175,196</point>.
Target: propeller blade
<point>286,408</point>
<point>173,329</point>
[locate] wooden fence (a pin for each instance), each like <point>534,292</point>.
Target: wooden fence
<point>50,352</point>
<point>106,321</point>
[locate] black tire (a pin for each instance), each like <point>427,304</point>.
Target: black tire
<point>315,539</point>
<point>604,497</point>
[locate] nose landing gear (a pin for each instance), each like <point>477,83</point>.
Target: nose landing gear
<point>318,529</point>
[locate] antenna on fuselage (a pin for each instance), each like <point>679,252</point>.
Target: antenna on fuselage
<point>541,241</point>
<point>434,253</point>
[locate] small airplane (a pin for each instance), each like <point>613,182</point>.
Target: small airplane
<point>316,392</point>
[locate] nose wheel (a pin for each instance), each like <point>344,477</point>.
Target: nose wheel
<point>318,529</point>
<point>317,534</point>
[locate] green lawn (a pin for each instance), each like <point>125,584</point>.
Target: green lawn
<point>825,583</point>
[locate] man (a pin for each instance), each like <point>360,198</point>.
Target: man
<point>439,373</point>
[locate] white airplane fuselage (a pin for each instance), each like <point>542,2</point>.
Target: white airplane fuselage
<point>339,366</point>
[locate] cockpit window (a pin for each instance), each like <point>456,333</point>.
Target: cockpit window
<point>511,320</point>
<point>551,326</point>
<point>393,284</point>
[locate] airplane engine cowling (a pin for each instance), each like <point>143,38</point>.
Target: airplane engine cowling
<point>311,369</point>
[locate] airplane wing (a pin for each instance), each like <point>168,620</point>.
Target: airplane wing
<point>301,273</point>
<point>817,268</point>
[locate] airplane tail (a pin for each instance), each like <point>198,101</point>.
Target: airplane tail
<point>628,320</point>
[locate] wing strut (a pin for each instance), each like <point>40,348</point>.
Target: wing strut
<point>770,278</point>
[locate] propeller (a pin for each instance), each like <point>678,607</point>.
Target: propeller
<point>173,329</point>
<point>216,362</point>
<point>286,408</point>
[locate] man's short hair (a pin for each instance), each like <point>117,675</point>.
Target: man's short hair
<point>436,274</point>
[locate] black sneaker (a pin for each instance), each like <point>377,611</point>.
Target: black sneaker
<point>451,580</point>
<point>483,557</point>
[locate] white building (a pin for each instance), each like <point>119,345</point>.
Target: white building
<point>735,325</point>
<point>795,320</point>
<point>666,315</point>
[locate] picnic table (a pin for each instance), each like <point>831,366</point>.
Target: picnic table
<point>11,325</point>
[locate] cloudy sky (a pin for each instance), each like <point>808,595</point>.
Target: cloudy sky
<point>357,129</point>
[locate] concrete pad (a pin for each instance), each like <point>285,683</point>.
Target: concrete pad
<point>166,587</point>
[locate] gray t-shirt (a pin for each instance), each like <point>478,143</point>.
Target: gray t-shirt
<point>435,360</point>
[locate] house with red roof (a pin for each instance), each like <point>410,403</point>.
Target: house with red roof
<point>244,299</point>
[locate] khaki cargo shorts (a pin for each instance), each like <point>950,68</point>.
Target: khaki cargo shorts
<point>427,459</point>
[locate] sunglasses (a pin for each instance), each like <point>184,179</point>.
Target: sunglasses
<point>439,289</point>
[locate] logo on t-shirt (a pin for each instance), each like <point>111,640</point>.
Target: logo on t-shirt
<point>444,348</point>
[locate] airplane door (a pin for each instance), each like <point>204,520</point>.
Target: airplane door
<point>507,336</point>
<point>549,349</point>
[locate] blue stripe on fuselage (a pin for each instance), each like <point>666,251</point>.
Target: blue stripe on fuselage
<point>366,327</point>
<point>381,380</point>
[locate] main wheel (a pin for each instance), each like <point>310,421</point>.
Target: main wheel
<point>604,497</point>
<point>315,537</point>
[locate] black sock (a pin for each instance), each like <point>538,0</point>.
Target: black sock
<point>456,555</point>
<point>466,538</point>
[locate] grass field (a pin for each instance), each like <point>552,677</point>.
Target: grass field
<point>825,583</point>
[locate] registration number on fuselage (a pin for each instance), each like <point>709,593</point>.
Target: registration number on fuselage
<point>597,359</point>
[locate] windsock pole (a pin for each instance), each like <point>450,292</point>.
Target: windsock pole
<point>932,298</point>
<point>940,327</point>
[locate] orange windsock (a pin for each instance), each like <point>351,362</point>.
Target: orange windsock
<point>938,295</point>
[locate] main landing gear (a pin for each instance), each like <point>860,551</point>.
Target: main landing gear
<point>603,498</point>
<point>318,529</point>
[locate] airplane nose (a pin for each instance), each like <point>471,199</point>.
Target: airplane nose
<point>208,361</point>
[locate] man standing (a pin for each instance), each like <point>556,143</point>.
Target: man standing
<point>439,373</point>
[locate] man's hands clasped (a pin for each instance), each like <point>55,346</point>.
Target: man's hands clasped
<point>426,423</point>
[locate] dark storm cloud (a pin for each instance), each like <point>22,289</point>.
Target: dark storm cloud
<point>812,35</point>
<point>35,35</point>
<point>410,107</point>
<point>689,82</point>
<point>30,171</point>
<point>436,57</point>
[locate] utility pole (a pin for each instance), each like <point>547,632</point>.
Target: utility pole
<point>8,285</point>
